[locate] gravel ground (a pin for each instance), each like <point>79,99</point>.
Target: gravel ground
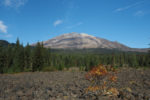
<point>132,84</point>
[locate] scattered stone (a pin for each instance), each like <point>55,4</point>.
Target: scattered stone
<point>71,86</point>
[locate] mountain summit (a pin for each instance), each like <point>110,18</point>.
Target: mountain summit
<point>82,40</point>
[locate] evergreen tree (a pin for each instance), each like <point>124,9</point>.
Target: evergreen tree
<point>18,58</point>
<point>113,60</point>
<point>134,62</point>
<point>38,60</point>
<point>8,58</point>
<point>148,58</point>
<point>27,57</point>
<point>2,59</point>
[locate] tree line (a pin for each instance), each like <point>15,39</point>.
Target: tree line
<point>18,58</point>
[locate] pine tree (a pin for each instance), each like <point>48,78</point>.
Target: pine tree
<point>122,59</point>
<point>18,58</point>
<point>8,58</point>
<point>134,62</point>
<point>2,59</point>
<point>149,56</point>
<point>38,59</point>
<point>113,60</point>
<point>27,57</point>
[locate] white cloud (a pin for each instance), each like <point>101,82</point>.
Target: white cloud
<point>8,35</point>
<point>139,13</point>
<point>14,3</point>
<point>3,27</point>
<point>5,36</point>
<point>7,2</point>
<point>122,9</point>
<point>127,7</point>
<point>58,22</point>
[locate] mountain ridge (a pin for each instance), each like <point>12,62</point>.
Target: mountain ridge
<point>76,40</point>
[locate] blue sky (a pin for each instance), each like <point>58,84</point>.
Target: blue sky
<point>125,21</point>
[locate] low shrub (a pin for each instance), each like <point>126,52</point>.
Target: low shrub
<point>101,79</point>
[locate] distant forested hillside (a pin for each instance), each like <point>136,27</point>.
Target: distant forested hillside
<point>17,58</point>
<point>4,43</point>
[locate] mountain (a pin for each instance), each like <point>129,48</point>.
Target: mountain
<point>4,43</point>
<point>80,41</point>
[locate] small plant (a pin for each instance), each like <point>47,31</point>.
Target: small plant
<point>101,79</point>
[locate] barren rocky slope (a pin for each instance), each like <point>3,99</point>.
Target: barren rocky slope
<point>82,40</point>
<point>76,40</point>
<point>132,85</point>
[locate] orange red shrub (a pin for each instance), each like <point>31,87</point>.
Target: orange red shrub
<point>101,78</point>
